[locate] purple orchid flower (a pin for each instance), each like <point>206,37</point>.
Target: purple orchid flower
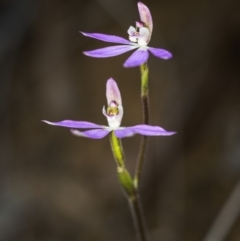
<point>114,114</point>
<point>139,38</point>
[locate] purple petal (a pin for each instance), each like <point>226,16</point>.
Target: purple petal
<point>139,57</point>
<point>124,132</point>
<point>109,51</point>
<point>74,124</point>
<point>160,53</point>
<point>145,130</point>
<point>94,134</point>
<point>148,130</point>
<point>107,38</point>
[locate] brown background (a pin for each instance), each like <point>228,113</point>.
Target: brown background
<point>55,186</point>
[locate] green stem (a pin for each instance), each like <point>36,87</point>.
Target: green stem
<point>145,108</point>
<point>129,189</point>
<point>117,150</point>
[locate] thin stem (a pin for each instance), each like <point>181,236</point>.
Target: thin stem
<point>145,109</point>
<point>137,214</point>
<point>129,189</point>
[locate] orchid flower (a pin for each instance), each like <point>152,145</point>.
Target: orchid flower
<point>139,37</point>
<point>114,114</point>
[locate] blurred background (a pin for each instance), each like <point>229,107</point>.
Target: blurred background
<point>55,186</point>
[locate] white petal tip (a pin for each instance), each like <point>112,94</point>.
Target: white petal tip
<point>83,33</point>
<point>77,133</point>
<point>127,66</point>
<point>47,122</point>
<point>168,133</point>
<point>86,53</point>
<point>168,56</point>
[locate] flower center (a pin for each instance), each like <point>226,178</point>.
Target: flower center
<point>113,114</point>
<point>112,109</point>
<point>140,34</point>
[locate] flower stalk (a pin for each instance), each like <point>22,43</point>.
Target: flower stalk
<point>145,110</point>
<point>138,217</point>
<point>129,189</point>
<point>117,150</point>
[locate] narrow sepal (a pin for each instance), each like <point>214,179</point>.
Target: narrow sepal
<point>93,134</point>
<point>124,132</point>
<point>148,130</point>
<point>145,130</point>
<point>107,38</point>
<point>109,51</point>
<point>74,124</point>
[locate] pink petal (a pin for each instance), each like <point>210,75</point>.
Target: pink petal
<point>93,134</point>
<point>160,53</point>
<point>109,51</point>
<point>139,57</point>
<point>74,124</point>
<point>113,92</point>
<point>107,38</point>
<point>145,16</point>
